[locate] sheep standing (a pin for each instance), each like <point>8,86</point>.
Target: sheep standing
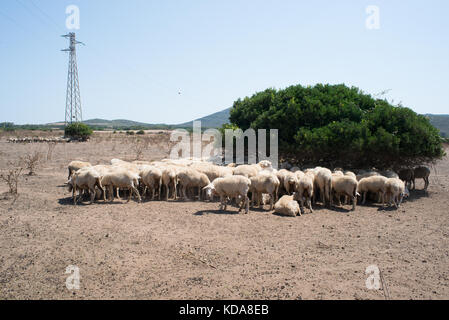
<point>408,176</point>
<point>121,178</point>
<point>345,186</point>
<point>230,187</point>
<point>287,206</point>
<point>395,190</point>
<point>421,172</point>
<point>76,165</point>
<point>264,183</point>
<point>192,178</point>
<point>304,190</point>
<point>323,181</point>
<point>290,180</point>
<point>151,178</point>
<point>375,184</point>
<point>85,179</point>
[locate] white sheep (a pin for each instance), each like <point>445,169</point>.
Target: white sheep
<point>287,206</point>
<point>304,190</point>
<point>323,182</point>
<point>366,174</point>
<point>290,180</point>
<point>247,170</point>
<point>345,186</point>
<point>121,178</point>
<point>230,187</point>
<point>264,183</point>
<point>85,179</point>
<point>374,184</point>
<point>212,171</point>
<point>395,190</point>
<point>151,178</point>
<point>191,178</point>
<point>76,165</point>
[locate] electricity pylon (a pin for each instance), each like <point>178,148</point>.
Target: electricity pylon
<point>73,101</point>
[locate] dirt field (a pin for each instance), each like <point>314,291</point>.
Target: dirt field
<point>190,250</point>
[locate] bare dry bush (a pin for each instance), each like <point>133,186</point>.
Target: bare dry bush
<point>31,162</point>
<point>11,178</point>
<point>139,145</point>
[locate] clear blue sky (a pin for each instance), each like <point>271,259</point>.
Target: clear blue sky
<point>140,53</point>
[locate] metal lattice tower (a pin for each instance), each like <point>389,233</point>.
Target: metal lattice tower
<point>73,101</point>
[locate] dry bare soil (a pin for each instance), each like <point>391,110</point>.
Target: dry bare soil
<point>190,250</point>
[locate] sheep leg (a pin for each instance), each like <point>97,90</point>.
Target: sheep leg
<point>272,201</point>
<point>136,192</point>
<point>111,192</point>
<point>92,196</point>
<point>309,204</point>
<point>354,202</point>
<point>74,193</point>
<point>174,188</point>
<point>247,204</point>
<point>221,202</point>
<point>364,197</point>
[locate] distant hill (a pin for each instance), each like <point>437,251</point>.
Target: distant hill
<point>119,123</point>
<point>214,120</point>
<point>441,122</point>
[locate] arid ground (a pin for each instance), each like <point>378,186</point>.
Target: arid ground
<point>190,250</point>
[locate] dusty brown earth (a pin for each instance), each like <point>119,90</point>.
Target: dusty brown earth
<point>190,250</point>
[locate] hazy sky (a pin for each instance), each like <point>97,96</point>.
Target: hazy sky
<point>140,54</point>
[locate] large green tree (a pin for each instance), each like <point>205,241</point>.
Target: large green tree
<point>339,126</point>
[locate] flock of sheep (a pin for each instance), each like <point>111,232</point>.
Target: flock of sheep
<point>287,191</point>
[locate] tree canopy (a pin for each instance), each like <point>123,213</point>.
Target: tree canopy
<point>78,130</point>
<point>337,125</point>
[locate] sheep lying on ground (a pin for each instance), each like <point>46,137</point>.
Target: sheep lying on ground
<point>421,172</point>
<point>123,179</point>
<point>191,178</point>
<point>395,190</point>
<point>76,165</point>
<point>151,178</point>
<point>345,186</point>
<point>304,190</point>
<point>264,183</point>
<point>230,187</point>
<point>408,176</point>
<point>85,179</point>
<point>375,184</point>
<point>286,206</point>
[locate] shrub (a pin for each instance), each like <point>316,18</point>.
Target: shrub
<point>31,161</point>
<point>11,178</point>
<point>140,132</point>
<point>78,130</point>
<point>335,125</point>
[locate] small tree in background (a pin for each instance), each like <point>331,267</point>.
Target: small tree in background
<point>78,131</point>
